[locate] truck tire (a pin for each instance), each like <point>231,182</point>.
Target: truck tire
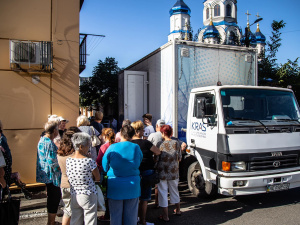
<point>197,185</point>
<point>186,161</point>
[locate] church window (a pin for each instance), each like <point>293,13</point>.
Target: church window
<point>228,10</point>
<point>217,10</point>
<point>207,13</point>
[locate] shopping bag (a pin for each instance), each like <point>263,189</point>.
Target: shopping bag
<point>95,140</point>
<point>9,211</point>
<point>100,200</point>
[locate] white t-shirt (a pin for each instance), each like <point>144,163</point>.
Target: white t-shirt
<point>148,130</point>
<point>79,172</point>
<point>154,138</point>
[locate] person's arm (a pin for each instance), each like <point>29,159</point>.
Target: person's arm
<point>2,180</point>
<point>183,146</point>
<point>96,174</point>
<point>179,152</point>
<point>155,150</point>
<point>105,160</point>
<point>99,159</point>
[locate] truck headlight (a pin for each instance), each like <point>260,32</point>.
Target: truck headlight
<point>238,166</point>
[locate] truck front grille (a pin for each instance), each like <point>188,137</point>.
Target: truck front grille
<point>271,163</point>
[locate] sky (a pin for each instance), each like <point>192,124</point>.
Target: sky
<point>135,28</point>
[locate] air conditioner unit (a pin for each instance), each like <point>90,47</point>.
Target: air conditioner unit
<point>25,52</point>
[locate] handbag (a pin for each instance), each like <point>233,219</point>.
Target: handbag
<point>100,200</point>
<point>9,210</point>
<point>95,140</point>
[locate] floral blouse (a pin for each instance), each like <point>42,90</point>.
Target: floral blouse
<point>47,168</point>
<point>168,167</point>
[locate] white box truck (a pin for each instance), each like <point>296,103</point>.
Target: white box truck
<point>160,83</point>
<point>242,140</point>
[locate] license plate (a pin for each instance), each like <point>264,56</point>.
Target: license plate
<point>278,187</point>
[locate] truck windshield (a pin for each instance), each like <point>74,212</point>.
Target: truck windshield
<point>252,107</point>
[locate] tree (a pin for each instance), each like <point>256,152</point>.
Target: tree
<point>267,66</point>
<point>289,73</point>
<point>195,38</point>
<point>102,87</point>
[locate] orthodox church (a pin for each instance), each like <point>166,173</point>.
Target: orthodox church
<point>220,24</point>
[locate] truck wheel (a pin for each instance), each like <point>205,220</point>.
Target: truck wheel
<point>197,185</point>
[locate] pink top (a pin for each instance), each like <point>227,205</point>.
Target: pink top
<point>102,151</point>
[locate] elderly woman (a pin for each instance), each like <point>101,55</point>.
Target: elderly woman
<point>168,169</point>
<point>80,171</point>
<point>121,161</point>
<point>146,167</point>
<point>64,151</point>
<point>47,169</point>
<point>84,125</point>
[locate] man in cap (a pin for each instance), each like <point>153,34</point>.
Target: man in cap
<point>156,137</point>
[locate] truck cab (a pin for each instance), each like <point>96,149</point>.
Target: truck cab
<point>242,140</point>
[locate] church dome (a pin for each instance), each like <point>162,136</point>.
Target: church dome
<point>180,8</point>
<point>211,32</point>
<point>252,39</point>
<point>260,38</point>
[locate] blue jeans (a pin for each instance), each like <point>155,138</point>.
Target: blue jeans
<point>146,191</point>
<point>126,209</point>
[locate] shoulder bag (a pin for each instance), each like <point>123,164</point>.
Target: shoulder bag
<point>95,140</point>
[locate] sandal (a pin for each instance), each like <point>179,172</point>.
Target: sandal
<point>176,213</point>
<point>161,218</point>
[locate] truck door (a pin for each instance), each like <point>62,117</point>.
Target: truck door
<point>202,127</point>
<point>135,94</point>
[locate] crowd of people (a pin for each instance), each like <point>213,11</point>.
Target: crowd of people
<point>72,161</point>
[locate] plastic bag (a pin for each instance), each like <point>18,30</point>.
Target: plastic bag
<point>100,200</point>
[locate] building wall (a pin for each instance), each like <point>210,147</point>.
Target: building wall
<point>24,104</point>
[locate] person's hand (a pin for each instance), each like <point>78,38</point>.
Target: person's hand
<point>183,146</point>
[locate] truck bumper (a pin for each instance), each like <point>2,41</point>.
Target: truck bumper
<point>258,184</point>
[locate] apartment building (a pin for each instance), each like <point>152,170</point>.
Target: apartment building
<point>39,72</point>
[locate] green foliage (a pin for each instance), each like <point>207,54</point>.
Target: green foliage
<point>284,74</point>
<point>102,87</point>
<point>289,73</point>
<point>195,38</point>
<point>267,66</point>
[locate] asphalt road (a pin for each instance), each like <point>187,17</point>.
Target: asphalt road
<point>273,208</point>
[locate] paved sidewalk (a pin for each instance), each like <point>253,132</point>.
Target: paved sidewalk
<point>34,211</point>
<point>36,207</point>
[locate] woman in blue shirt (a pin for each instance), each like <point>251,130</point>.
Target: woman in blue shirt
<point>121,161</point>
<point>47,169</point>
